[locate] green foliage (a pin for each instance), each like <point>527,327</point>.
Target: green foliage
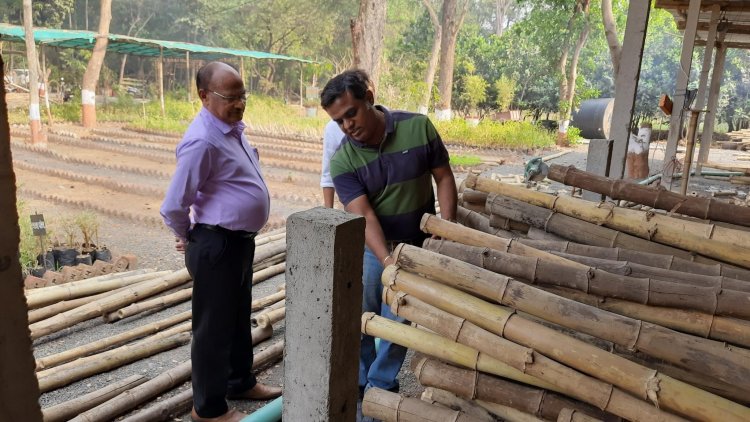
<point>465,160</point>
<point>28,247</point>
<point>573,135</point>
<point>494,134</point>
<point>506,90</point>
<point>474,91</point>
<point>88,223</point>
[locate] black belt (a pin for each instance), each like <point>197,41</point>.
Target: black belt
<point>234,233</point>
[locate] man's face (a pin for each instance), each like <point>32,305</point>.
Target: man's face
<point>355,117</point>
<point>225,96</point>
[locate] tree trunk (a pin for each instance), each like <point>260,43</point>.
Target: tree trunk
<point>368,32</point>
<point>122,70</point>
<point>501,13</point>
<point>35,118</point>
<point>610,31</point>
<point>429,78</point>
<point>568,75</point>
<point>91,76</point>
<point>454,12</point>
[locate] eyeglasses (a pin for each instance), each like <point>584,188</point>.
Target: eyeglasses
<point>242,97</point>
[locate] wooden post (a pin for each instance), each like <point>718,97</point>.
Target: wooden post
<point>46,89</point>
<point>19,391</point>
<point>35,118</point>
<point>301,86</point>
<point>188,88</point>
<point>242,69</point>
<point>160,71</point>
<point>627,83</point>
<point>689,147</point>
<point>678,99</point>
<point>713,100</point>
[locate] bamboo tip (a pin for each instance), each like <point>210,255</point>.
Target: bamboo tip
<point>388,278</point>
<point>424,221</point>
<point>366,317</point>
<point>397,251</point>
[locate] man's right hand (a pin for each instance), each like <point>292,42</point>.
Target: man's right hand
<point>180,244</point>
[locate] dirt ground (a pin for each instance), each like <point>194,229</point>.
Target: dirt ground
<point>122,175</point>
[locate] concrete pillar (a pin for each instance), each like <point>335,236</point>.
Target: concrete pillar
<point>700,100</point>
<point>19,391</point>
<point>626,84</point>
<point>597,162</point>
<point>678,99</point>
<point>324,305</point>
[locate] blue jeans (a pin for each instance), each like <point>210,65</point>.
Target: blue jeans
<point>377,369</point>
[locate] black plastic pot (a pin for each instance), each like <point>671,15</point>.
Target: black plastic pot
<point>47,260</point>
<point>84,259</point>
<point>103,254</point>
<point>67,257</point>
<point>38,271</point>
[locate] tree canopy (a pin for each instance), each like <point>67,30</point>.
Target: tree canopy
<point>508,49</point>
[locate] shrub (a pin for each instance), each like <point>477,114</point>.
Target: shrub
<point>494,134</point>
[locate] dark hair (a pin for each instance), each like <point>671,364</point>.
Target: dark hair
<point>206,72</point>
<point>355,81</point>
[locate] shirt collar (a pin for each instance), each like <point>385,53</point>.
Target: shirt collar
<point>389,128</point>
<point>235,129</point>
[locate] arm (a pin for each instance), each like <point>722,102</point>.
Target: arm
<point>446,191</point>
<point>328,197</point>
<point>374,237</point>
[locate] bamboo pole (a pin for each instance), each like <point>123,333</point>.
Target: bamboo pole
<point>118,339</point>
<point>161,383</point>
<point>91,280</point>
<point>578,230</point>
<point>157,303</point>
<point>723,329</point>
<point>49,311</point>
<point>662,229</point>
<point>507,413</point>
<point>633,378</point>
<point>669,262</point>
<point>269,272</point>
<point>261,333</point>
<point>269,250</point>
<point>177,404</point>
<point>525,359</point>
<point>473,385</point>
<point>705,208</point>
<point>108,304</point>
<point>165,381</point>
<point>446,398</point>
<point>639,270</point>
<point>64,411</point>
<point>262,240</point>
<point>274,260</point>
<point>572,415</point>
<point>456,232</point>
<point>689,352</point>
<point>391,407</point>
<point>269,318</point>
<point>711,300</point>
<point>68,291</point>
<point>444,349</point>
<point>108,360</point>
<point>125,349</point>
<point>267,300</point>
<point>479,222</point>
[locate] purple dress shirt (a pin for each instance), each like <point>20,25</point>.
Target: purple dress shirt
<point>218,178</point>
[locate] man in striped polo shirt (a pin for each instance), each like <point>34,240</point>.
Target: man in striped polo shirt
<point>383,171</point>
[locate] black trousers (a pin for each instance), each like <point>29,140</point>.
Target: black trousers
<point>221,266</point>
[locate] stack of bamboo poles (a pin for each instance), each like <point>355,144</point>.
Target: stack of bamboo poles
<point>124,295</point>
<point>611,324</point>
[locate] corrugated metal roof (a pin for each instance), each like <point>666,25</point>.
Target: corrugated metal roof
<point>124,44</point>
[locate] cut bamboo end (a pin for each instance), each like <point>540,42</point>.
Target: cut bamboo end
<point>391,407</point>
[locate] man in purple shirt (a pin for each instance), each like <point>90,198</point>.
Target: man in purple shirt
<point>216,203</point>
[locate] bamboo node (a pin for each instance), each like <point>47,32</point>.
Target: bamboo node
<point>652,389</point>
<point>633,346</point>
<point>547,220</point>
<point>590,274</point>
